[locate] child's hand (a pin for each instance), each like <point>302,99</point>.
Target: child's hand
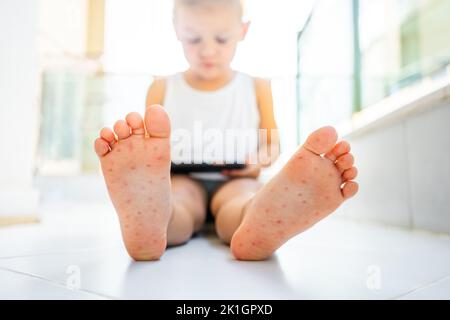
<point>250,171</point>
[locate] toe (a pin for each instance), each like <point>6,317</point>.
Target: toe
<point>157,122</point>
<point>136,123</point>
<point>322,140</point>
<point>349,189</point>
<point>345,162</point>
<point>350,174</point>
<point>108,135</point>
<point>340,149</point>
<point>101,147</point>
<point>122,129</point>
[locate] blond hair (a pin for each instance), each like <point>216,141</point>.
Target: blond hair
<point>240,5</point>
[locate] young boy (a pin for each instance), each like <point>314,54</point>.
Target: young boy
<point>156,209</point>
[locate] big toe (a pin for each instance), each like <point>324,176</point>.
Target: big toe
<point>157,122</point>
<point>322,140</point>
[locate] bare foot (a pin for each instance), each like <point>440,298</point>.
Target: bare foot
<point>313,184</point>
<point>136,168</point>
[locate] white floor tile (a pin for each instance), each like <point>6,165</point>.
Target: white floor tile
<point>336,259</point>
<point>17,286</point>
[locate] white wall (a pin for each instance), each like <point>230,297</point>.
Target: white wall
<point>404,171</point>
<point>18,106</point>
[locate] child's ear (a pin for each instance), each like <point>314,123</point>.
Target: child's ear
<point>245,27</point>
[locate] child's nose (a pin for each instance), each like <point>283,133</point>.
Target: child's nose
<point>208,49</point>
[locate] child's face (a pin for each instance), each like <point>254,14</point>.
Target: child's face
<point>209,36</point>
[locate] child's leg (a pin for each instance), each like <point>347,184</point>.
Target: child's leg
<point>227,204</point>
<point>314,183</point>
<point>189,201</point>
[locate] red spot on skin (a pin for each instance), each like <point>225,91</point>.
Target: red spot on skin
<point>130,147</point>
<point>150,181</point>
<point>283,205</point>
<point>155,148</point>
<point>318,140</point>
<point>136,234</point>
<point>154,210</point>
<point>110,170</point>
<point>330,175</point>
<point>139,212</point>
<point>241,245</point>
<point>299,194</point>
<point>125,184</point>
<point>286,188</point>
<point>300,158</point>
<point>149,166</point>
<point>139,248</point>
<point>119,150</point>
<point>267,210</point>
<point>126,226</point>
<point>315,169</point>
<point>247,230</point>
<point>128,202</point>
<point>163,178</point>
<point>278,221</point>
<point>304,202</point>
<point>155,241</point>
<point>263,225</point>
<point>307,221</point>
<point>316,213</point>
<point>304,181</point>
<point>150,199</point>
<point>327,198</point>
<point>133,167</point>
<point>253,243</point>
<point>281,233</point>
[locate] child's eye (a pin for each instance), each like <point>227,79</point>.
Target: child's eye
<point>194,40</point>
<point>221,40</point>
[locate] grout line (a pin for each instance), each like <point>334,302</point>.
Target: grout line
<point>85,250</point>
<point>422,287</point>
<point>56,283</point>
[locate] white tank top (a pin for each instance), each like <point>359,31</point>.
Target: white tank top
<point>210,126</point>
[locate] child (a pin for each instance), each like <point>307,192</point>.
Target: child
<point>156,209</point>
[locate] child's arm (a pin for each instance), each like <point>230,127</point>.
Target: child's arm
<point>155,94</point>
<point>269,152</point>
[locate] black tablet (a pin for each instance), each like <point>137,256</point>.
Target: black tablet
<point>184,168</point>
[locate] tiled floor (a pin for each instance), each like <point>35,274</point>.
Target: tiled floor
<point>76,253</point>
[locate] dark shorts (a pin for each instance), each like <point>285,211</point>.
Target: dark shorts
<point>210,186</point>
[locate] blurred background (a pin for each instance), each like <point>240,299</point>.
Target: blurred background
<point>377,70</point>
